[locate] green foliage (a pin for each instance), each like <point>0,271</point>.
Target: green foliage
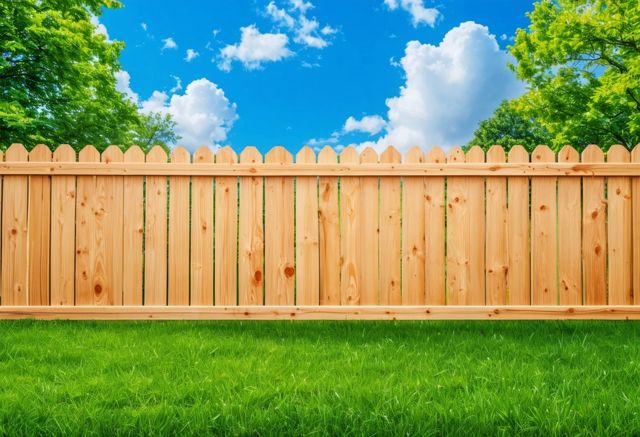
<point>581,60</point>
<point>155,129</point>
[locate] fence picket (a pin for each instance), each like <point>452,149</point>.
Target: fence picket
<point>519,272</point>
<point>476,230</point>
<point>458,281</point>
<point>349,226</point>
<point>635,218</point>
<point>435,286</point>
<point>226,226</point>
<point>133,231</point>
<point>496,225</point>
<point>329,233</point>
<point>413,234</point>
<point>179,232</point>
<point>390,236</point>
<point>369,232</point>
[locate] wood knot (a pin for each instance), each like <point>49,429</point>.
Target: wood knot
<point>14,231</point>
<point>98,288</point>
<point>257,276</point>
<point>598,249</point>
<point>288,271</point>
<point>543,207</point>
<point>594,214</point>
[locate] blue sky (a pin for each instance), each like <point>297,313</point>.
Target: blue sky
<point>292,72</point>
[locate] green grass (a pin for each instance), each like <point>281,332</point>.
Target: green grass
<point>359,378</point>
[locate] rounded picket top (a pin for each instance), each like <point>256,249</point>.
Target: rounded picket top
<point>390,155</point>
<point>16,152</point>
<point>475,154</point>
<point>369,156</point>
<point>518,153</point>
<point>251,155</point>
<point>226,155</point>
<point>635,153</point>
<point>349,155</point>
<point>203,155</point>
<point>40,152</point>
<point>180,155</point>
<point>157,154</point>
<point>327,155</point>
<point>495,154</point>
<point>543,153</point>
<point>568,154</point>
<point>414,155</point>
<point>134,154</point>
<point>592,153</point>
<point>618,153</point>
<point>278,154</point>
<point>112,154</point>
<point>456,154</point>
<point>64,153</point>
<point>306,155</point>
<point>436,155</point>
<point>89,154</point>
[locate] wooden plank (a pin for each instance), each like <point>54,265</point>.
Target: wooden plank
<point>307,254</point>
<point>63,219</point>
<point>133,231</point>
<point>594,243</point>
<point>569,233</point>
<point>179,232</point>
<point>476,231</point>
<point>226,227</point>
<point>15,237</point>
<point>458,221</point>
<point>39,220</point>
<point>329,233</point>
<point>279,230</point>
<point>88,205</point>
<point>413,234</point>
<point>635,218</point>
<point>390,236</point>
<point>496,233</point>
<point>519,272</point>
<point>155,236</point>
<point>369,232</point>
<point>349,196</point>
<point>435,287</point>
<point>544,255</point>
<point>202,232</point>
<point>619,232</point>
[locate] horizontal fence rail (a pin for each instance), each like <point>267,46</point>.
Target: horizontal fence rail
<point>117,235</point>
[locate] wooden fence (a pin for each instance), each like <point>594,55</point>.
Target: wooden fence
<point>424,236</point>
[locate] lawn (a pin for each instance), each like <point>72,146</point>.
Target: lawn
<point>360,378</point>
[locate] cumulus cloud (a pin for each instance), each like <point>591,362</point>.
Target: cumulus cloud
<point>169,43</point>
<point>419,13</point>
<point>305,31</point>
<point>123,84</point>
<point>191,55</point>
<point>254,49</point>
<point>371,124</point>
<point>203,114</point>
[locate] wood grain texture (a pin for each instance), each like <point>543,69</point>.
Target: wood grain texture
<point>350,287</point>
<point>594,243</point>
<point>413,234</point>
<point>368,230</point>
<point>519,273</point>
<point>155,236</point>
<point>390,237</point>
<point>226,226</point>
<point>497,256</point>
<point>39,209</point>
<point>544,237</point>
<point>458,222</point>
<point>619,232</point>
<point>179,232</point>
<point>329,233</point>
<point>435,286</point>
<point>635,218</point>
<point>251,238</point>
<point>476,232</point>
<point>569,233</point>
<point>15,236</point>
<point>307,251</point>
<point>279,234</point>
<point>133,231</point>
<point>202,261</point>
<point>63,219</point>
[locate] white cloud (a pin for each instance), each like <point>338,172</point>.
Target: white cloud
<point>419,14</point>
<point>371,124</point>
<point>301,5</point>
<point>305,31</point>
<point>178,85</point>
<point>280,16</point>
<point>254,49</point>
<point>123,84</point>
<point>328,30</point>
<point>203,114</point>
<point>191,55</point>
<point>144,26</point>
<point>169,43</point>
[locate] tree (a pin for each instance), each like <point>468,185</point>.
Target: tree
<point>508,127</point>
<point>581,60</point>
<point>155,129</point>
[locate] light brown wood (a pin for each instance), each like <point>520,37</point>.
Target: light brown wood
<point>413,234</point>
<point>307,252</point>
<point>435,287</point>
<point>496,233</point>
<point>63,219</point>
<point>368,234</point>
<point>279,256</point>
<point>179,232</point>
<point>569,233</point>
<point>594,243</point>
<point>202,260</point>
<point>155,235</point>
<point>251,238</point>
<point>544,254</point>
<point>226,226</point>
<point>133,232</point>
<point>476,231</point>
<point>519,273</point>
<point>39,229</point>
<point>390,237</point>
<point>15,237</point>
<point>458,220</point>
<point>619,232</point>
<point>635,218</point>
<point>349,232</point>
<point>329,233</point>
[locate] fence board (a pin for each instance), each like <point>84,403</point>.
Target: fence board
<point>619,232</point>
<point>413,234</point>
<point>519,273</point>
<point>458,281</point>
<point>226,226</point>
<point>307,255</point>
<point>251,238</point>
<point>179,232</point>
<point>329,233</point>
<point>155,245</point>
<point>569,233</point>
<point>635,192</point>
<point>369,279</point>
<point>496,227</point>
<point>15,238</point>
<point>279,238</point>
<point>63,219</point>
<point>594,245</point>
<point>434,234</point>
<point>349,226</point>
<point>133,232</point>
<point>476,231</point>
<point>544,255</point>
<point>390,237</point>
